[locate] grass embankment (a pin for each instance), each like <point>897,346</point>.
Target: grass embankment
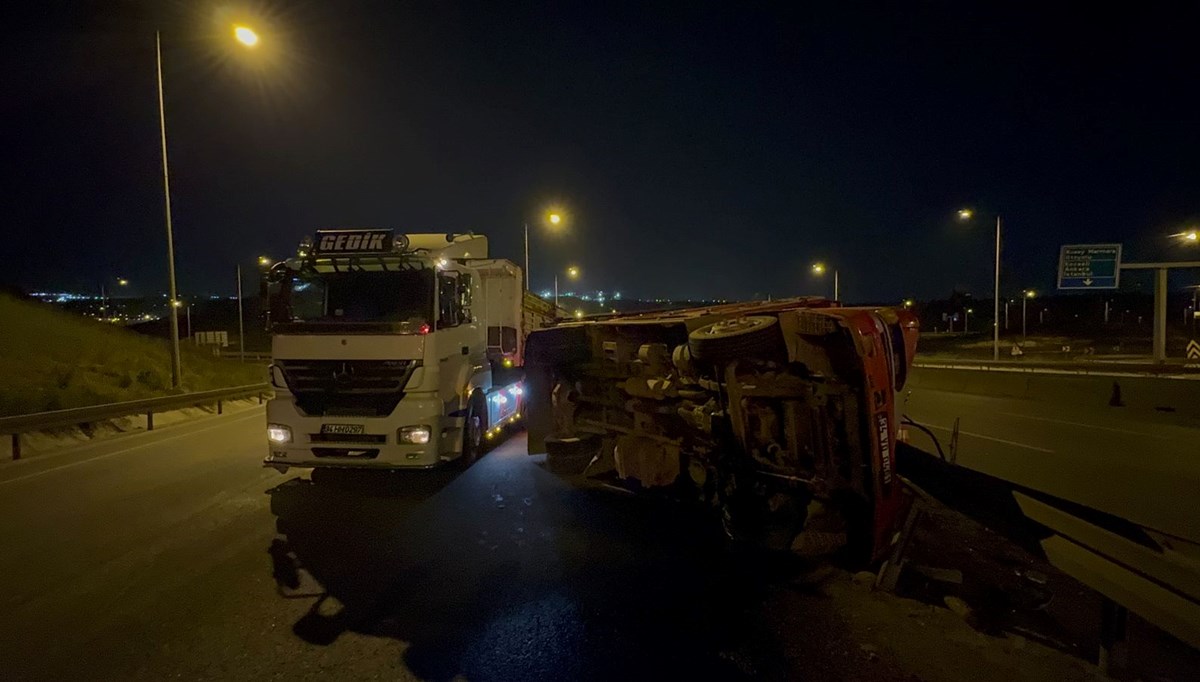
<point>52,360</point>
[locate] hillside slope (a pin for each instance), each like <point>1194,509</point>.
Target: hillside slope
<point>52,360</point>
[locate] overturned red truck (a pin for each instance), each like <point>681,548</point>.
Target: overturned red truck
<point>779,416</point>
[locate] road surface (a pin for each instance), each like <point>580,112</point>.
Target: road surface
<point>172,555</point>
<point>1140,466</point>
<point>158,556</point>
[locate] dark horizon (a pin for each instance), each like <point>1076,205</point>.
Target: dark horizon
<point>700,152</point>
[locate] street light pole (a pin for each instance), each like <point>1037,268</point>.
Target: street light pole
<point>996,302</point>
<point>1024,301</point>
<point>835,285</point>
<point>527,257</point>
<point>241,318</point>
<point>556,295</point>
<point>176,363</point>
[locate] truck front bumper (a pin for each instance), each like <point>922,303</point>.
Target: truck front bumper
<point>377,447</point>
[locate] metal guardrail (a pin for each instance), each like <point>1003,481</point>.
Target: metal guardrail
<point>1114,369</point>
<point>1153,573</point>
<point>40,421</point>
<point>248,355</point>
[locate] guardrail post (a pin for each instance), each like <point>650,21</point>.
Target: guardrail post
<point>219,407</point>
<point>260,399</point>
<point>16,446</point>
<point>149,420</point>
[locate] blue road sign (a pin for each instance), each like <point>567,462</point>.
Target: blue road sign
<point>1089,266</point>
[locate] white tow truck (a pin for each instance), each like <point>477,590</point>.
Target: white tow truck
<point>392,351</point>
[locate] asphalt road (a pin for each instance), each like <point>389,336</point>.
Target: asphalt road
<point>1140,466</point>
<point>171,554</point>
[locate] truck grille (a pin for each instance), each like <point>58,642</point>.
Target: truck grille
<point>347,387</point>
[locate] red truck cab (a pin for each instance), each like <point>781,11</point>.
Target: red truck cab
<point>781,416</point>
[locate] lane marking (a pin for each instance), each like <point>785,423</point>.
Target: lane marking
<point>129,449</point>
<point>1080,424</point>
<point>980,435</point>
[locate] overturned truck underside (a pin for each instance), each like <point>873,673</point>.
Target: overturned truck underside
<point>779,416</point>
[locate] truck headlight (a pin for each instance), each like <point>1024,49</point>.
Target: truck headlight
<point>415,435</point>
<point>278,433</point>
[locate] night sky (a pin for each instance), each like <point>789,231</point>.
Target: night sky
<point>700,149</point>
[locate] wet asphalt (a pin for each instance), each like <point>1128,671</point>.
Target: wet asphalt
<point>173,555</point>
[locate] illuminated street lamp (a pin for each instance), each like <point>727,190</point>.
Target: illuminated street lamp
<point>121,282</point>
<point>967,320</point>
<point>264,262</point>
<point>553,218</point>
<point>1026,295</point>
<point>572,273</point>
<point>248,38</point>
<point>819,270</point>
<point>965,215</point>
<point>245,35</point>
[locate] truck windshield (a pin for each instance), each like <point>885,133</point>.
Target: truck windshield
<point>404,296</point>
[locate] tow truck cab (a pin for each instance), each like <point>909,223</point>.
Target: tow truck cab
<point>391,351</point>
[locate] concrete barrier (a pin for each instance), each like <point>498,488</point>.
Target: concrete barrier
<point>1134,393</point>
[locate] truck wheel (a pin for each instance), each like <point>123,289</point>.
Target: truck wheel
<point>474,427</point>
<point>753,336</point>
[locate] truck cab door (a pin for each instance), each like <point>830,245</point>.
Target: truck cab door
<point>459,345</point>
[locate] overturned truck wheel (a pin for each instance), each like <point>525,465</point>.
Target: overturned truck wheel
<point>753,336</point>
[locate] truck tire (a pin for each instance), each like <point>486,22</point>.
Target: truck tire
<point>752,336</point>
<point>474,426</point>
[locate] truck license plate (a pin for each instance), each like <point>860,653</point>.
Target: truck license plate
<point>346,429</point>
